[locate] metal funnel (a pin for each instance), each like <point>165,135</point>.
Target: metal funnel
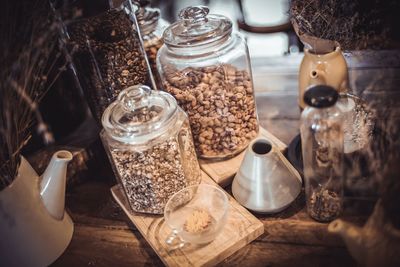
<point>265,182</point>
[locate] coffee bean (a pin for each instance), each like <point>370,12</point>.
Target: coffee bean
<point>220,104</point>
<point>151,45</point>
<point>108,57</point>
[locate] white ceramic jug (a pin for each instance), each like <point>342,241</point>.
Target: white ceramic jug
<point>34,229</point>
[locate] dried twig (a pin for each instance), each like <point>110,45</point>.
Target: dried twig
<point>28,55</point>
<point>355,24</point>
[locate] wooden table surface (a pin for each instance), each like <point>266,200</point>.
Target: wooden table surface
<point>104,236</point>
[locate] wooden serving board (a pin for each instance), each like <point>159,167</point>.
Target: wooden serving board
<point>222,172</point>
<point>242,228</point>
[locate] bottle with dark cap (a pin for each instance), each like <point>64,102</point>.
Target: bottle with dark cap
<point>322,149</point>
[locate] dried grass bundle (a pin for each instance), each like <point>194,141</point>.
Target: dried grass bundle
<point>28,54</point>
<point>387,153</point>
<point>355,24</point>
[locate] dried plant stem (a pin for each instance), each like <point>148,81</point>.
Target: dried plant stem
<point>30,58</point>
<point>33,106</point>
<point>354,24</point>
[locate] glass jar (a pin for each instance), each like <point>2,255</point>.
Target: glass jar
<point>206,67</point>
<point>322,149</point>
<point>151,28</point>
<point>148,140</point>
<point>105,49</point>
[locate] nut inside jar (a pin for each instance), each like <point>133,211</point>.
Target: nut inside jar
<point>151,47</point>
<point>220,104</point>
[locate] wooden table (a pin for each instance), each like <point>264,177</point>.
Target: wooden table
<point>104,236</point>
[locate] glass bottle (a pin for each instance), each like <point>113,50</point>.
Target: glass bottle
<point>148,140</point>
<point>104,46</point>
<point>151,28</point>
<point>206,67</point>
<point>322,149</point>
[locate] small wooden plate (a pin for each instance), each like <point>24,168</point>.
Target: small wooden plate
<point>241,228</point>
<point>222,172</point>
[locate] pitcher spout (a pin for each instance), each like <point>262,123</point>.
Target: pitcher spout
<point>52,186</point>
<point>317,76</point>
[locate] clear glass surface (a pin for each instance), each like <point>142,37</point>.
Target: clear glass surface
<point>151,27</point>
<point>196,215</point>
<point>207,69</point>
<point>148,141</point>
<point>105,48</point>
<point>322,148</point>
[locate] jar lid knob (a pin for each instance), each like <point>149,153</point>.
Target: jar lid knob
<point>134,97</point>
<point>194,13</point>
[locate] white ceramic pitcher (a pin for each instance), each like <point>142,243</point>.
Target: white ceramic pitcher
<point>34,228</point>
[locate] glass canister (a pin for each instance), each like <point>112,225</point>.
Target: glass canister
<point>322,149</point>
<point>105,48</point>
<point>206,67</point>
<point>151,28</point>
<point>148,140</point>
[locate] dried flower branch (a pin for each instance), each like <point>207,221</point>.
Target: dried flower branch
<point>29,55</point>
<point>355,24</point>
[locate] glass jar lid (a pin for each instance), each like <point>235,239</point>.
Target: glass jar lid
<point>147,17</point>
<point>197,27</point>
<point>139,114</point>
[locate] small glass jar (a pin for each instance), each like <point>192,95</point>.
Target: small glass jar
<point>322,149</point>
<point>148,140</point>
<point>206,67</point>
<point>105,49</point>
<point>151,28</point>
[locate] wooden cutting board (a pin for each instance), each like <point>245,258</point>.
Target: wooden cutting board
<point>222,172</point>
<point>242,228</point>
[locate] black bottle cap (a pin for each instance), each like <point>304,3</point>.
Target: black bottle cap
<point>321,96</point>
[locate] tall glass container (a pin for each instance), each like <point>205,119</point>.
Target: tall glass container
<point>206,67</point>
<point>148,140</point>
<point>105,48</point>
<point>322,149</point>
<point>151,28</point>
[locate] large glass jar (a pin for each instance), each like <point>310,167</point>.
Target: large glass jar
<point>206,67</point>
<point>105,49</point>
<point>322,149</point>
<point>151,28</point>
<point>148,140</point>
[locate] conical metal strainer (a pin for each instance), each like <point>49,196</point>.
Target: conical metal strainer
<point>265,182</point>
